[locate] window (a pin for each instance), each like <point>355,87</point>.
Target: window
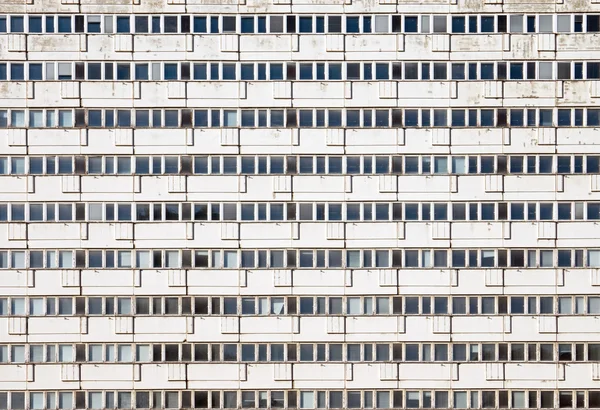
<point>439,24</point>
<point>545,71</point>
<point>593,306</point>
<point>17,400</point>
<point>545,23</point>
<point>17,71</point>
<point>487,24</point>
<point>487,71</point>
<point>123,24</point>
<point>17,24</point>
<point>458,24</point>
<point>307,400</point>
<point>563,23</point>
<point>458,71</point>
<point>440,71</point>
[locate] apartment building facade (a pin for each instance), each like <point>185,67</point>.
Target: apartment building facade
<point>314,204</point>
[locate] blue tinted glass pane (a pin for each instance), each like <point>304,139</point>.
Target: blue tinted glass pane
<point>472,118</point>
<point>17,24</point>
<point>578,117</point>
<point>248,118</point>
<point>352,118</point>
<point>593,117</point>
<point>487,71</point>
<point>593,70</point>
<point>306,71</point>
<point>94,71</point>
<point>95,118</point>
<point>123,72</point>
<point>517,211</point>
<point>305,24</point>
<point>262,71</point>
<point>49,24</point>
<point>335,118</point>
<point>200,118</point>
<point>516,71</point>
<point>123,25</point>
<point>425,71</point>
<point>411,118</point>
<point>171,118</point>
<point>458,24</point>
<point>578,71</point>
<point>170,71</point>
<point>141,71</point>
<point>247,71</point>
<point>593,166</point>
<point>516,118</point>
<point>199,71</point>
<point>367,24</point>
<point>320,118</point>
<point>123,118</point>
<point>35,71</point>
<point>64,24</point>
<point>109,116</point>
<point>214,24</point>
<point>228,71</point>
<point>564,117</point>
<point>411,24</point>
<point>262,24</point>
<point>425,118</point>
<point>276,72</point>
<point>199,24</point>
<point>352,25</point>
<point>17,72</point>
<point>2,24</point>
<point>440,118</point>
<point>214,71</point>
<point>320,71</point>
<point>335,71</point>
<point>367,71</point>
<point>458,118</point>
<point>156,123</point>
<point>320,24</point>
<point>3,71</point>
<point>472,71</point>
<point>487,24</point>
<point>382,71</point>
<point>247,24</point>
<point>94,27</point>
<point>35,24</point>
<point>306,118</point>
<point>458,71</point>
<point>276,118</point>
<point>487,118</point>
<point>546,118</point>
<point>472,24</point>
<point>531,118</point>
<point>156,24</point>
